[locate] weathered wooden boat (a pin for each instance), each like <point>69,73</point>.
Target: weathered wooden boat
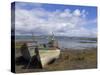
<point>45,53</point>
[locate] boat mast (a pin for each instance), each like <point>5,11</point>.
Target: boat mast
<point>53,38</point>
<point>34,39</point>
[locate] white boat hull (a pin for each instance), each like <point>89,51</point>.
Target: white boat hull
<point>44,56</point>
<point>47,56</point>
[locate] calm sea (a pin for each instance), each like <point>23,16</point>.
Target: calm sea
<point>64,42</point>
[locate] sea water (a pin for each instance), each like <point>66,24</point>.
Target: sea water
<point>64,42</point>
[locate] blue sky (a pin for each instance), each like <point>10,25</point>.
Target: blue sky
<point>63,20</point>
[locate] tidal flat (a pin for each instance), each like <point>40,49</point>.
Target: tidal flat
<point>69,59</point>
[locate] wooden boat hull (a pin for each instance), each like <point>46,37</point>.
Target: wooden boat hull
<point>47,56</point>
<point>43,55</point>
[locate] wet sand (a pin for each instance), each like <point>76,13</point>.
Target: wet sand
<point>69,60</point>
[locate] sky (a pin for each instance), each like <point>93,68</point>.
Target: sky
<point>62,20</point>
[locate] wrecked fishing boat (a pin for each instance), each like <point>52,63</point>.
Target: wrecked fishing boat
<point>45,53</point>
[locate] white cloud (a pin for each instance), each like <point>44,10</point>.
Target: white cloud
<point>40,21</point>
<point>77,12</point>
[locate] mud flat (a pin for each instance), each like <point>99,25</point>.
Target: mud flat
<point>69,59</point>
